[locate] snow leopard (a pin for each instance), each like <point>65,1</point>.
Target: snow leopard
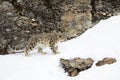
<point>40,41</point>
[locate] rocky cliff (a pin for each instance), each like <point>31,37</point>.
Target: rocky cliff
<point>19,19</point>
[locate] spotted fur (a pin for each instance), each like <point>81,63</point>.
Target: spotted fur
<point>44,40</point>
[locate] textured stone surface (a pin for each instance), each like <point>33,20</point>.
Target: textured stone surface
<point>19,19</point>
<point>106,61</point>
<point>76,65</point>
<point>103,9</point>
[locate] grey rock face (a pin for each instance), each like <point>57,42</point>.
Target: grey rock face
<point>103,9</point>
<point>19,19</point>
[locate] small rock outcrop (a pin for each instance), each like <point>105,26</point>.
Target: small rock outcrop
<point>76,65</point>
<point>106,61</point>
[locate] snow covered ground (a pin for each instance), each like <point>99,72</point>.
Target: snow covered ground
<point>103,40</point>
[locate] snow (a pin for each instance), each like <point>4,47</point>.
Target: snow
<point>103,40</point>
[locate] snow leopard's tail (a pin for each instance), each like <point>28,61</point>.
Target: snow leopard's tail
<point>12,50</point>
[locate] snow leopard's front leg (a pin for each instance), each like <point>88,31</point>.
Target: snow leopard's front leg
<point>30,46</point>
<point>27,52</point>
